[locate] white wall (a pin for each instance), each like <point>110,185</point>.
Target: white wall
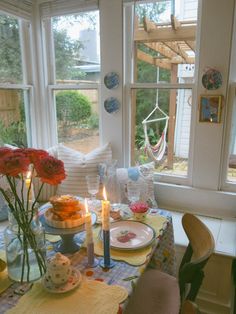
<point>111,21</point>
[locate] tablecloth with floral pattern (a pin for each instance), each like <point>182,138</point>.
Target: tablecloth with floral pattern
<point>123,274</point>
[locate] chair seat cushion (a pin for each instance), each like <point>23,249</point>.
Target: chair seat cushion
<point>156,293</point>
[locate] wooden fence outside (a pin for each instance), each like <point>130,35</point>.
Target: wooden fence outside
<point>9,106</point>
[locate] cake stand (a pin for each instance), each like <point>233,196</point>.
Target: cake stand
<point>67,243</point>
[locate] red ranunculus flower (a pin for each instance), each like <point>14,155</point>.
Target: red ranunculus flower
<point>50,170</point>
<point>4,151</point>
<point>139,207</point>
<point>14,163</point>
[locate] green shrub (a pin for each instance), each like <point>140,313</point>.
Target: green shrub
<point>14,134</point>
<point>72,106</point>
<point>93,121</point>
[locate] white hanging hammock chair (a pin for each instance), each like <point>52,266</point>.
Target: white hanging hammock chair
<point>156,152</point>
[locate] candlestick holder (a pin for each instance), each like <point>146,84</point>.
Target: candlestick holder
<point>106,262</point>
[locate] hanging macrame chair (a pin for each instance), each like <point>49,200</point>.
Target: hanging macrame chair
<point>156,152</point>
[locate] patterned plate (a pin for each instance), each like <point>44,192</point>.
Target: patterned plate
<point>111,80</point>
<point>73,282</point>
<point>130,235</point>
<point>212,79</point>
<point>111,105</point>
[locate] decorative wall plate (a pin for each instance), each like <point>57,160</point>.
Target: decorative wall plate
<point>111,80</point>
<point>111,105</point>
<point>212,79</point>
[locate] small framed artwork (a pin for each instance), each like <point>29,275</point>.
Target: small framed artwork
<point>210,108</point>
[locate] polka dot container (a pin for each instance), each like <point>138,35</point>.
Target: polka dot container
<point>58,269</point>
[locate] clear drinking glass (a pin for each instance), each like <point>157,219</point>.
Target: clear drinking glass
<point>93,185</point>
<point>133,191</point>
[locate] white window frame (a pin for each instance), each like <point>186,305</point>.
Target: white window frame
<point>25,46</point>
<point>130,86</point>
<point>52,102</point>
<point>50,78</point>
<point>28,108</point>
<point>203,193</point>
<point>208,141</point>
<point>227,185</point>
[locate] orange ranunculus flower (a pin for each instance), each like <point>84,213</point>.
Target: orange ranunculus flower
<point>12,164</point>
<point>4,151</point>
<point>32,153</point>
<point>50,170</point>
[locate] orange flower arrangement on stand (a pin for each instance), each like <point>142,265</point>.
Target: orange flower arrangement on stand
<point>14,165</point>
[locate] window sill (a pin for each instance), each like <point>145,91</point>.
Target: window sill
<point>223,230</point>
<point>205,202</point>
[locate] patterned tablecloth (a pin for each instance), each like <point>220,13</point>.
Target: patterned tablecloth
<point>123,274</point>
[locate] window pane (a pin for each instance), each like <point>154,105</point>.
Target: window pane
<point>10,52</point>
<point>232,157</point>
<point>166,139</point>
<point>13,122</point>
<point>158,52</point>
<point>77,50</point>
<point>77,119</point>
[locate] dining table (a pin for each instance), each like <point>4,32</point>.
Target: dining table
<point>101,290</point>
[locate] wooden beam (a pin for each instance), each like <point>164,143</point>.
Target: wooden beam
<point>162,63</point>
<point>172,119</point>
<point>162,34</point>
<point>163,50</point>
<point>168,53</point>
<point>174,22</point>
<point>191,45</point>
<point>180,60</point>
<point>174,46</point>
<point>145,57</point>
<point>176,60</point>
<point>148,25</point>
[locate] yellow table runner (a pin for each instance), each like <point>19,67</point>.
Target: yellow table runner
<point>136,257</point>
<point>91,297</point>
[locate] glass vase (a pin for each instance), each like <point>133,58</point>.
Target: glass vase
<point>25,247</point>
<point>110,181</point>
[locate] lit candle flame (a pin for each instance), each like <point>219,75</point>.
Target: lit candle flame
<point>28,175</point>
<point>104,194</point>
<point>86,205</point>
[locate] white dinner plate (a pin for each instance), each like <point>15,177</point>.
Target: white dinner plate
<point>130,235</point>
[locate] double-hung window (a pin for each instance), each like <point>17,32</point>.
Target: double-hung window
<point>15,90</point>
<point>161,83</point>
<point>72,63</point>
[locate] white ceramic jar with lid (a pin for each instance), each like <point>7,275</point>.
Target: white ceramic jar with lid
<point>58,269</point>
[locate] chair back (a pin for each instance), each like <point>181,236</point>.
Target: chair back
<point>200,248</point>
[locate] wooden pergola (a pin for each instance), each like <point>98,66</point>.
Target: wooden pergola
<point>173,44</point>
